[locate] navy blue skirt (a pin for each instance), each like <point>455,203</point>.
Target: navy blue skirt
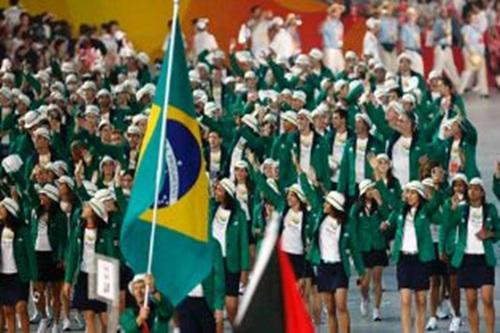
<point>474,273</point>
<point>232,281</point>
<point>13,290</point>
<point>412,273</point>
<point>81,299</point>
<point>47,268</point>
<point>331,277</point>
<point>375,258</point>
<point>437,267</point>
<point>301,267</point>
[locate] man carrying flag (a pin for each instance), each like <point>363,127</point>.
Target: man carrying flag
<point>165,230</point>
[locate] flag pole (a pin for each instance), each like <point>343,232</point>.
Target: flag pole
<point>161,150</point>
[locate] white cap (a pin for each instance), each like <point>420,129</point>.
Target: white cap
<point>295,188</point>
<point>410,98</point>
<point>132,129</point>
<point>428,182</point>
<point>11,206</point>
<point>396,106</point>
<point>351,55</point>
<point>336,199</point>
<point>90,187</point>
<point>434,74</point>
<point>383,156</point>
<point>476,181</point>
<point>241,164</point>
<point>12,163</point>
<point>251,122</point>
<point>459,176</point>
<point>305,113</point>
<point>43,132</point>
<point>89,85</point>
<point>202,23</point>
<point>200,96</point>
<point>364,185</point>
<point>138,118</point>
<point>250,75</point>
<point>137,278</point>
<point>364,117</point>
<point>300,95</point>
<point>104,195</point>
<point>372,23</point>
<point>99,209</point>
<point>228,186</point>
<point>339,84</point>
<point>302,59</point>
<point>105,160</point>
<point>316,54</point>
<point>91,110</point>
<point>417,186</point>
<point>24,99</point>
<point>290,116</point>
<point>50,191</point>
<point>402,56</point>
<point>66,180</point>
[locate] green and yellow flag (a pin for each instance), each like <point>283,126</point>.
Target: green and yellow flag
<point>181,257</point>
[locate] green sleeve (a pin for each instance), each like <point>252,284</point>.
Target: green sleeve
<point>279,75</point>
<point>62,232</point>
<point>310,193</point>
<point>235,68</point>
<point>353,246</point>
<point>71,259</point>
<point>219,282</point>
<point>164,309</point>
<point>245,255</point>
<point>30,253</point>
<point>495,221</point>
<point>496,186</point>
<point>128,321</point>
<point>449,224</point>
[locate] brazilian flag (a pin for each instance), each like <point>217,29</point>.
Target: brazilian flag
<point>181,258</point>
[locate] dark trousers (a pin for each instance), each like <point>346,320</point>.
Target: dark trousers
<point>195,316</point>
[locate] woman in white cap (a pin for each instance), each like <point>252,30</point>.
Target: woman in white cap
<point>366,216</point>
<point>385,182</point>
<point>447,244</point>
<point>50,237</point>
<point>154,317</point>
<point>245,194</point>
<point>474,255</point>
<point>406,149</point>
<point>412,251</point>
<point>229,227</point>
<point>91,237</point>
<point>107,172</point>
<point>331,238</point>
<point>17,266</point>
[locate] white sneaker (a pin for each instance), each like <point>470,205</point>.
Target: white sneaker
<point>431,324</point>
<point>35,319</point>
<point>443,312</point>
<point>56,328</point>
<point>455,324</point>
<point>79,321</point>
<point>66,325</point>
<point>376,315</point>
<point>363,307</point>
<point>176,330</point>
<point>43,327</point>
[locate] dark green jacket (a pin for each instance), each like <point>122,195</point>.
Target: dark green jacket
<point>426,214</point>
<point>237,254</point>
<point>103,245</point>
<point>213,285</point>
<point>162,311</point>
<point>57,232</point>
<point>367,227</point>
<point>347,176</point>
<point>24,254</point>
<point>459,219</point>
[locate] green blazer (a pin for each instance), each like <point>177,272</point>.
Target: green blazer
<point>214,285</point>
<point>418,148</point>
<point>442,150</point>
<point>496,186</point>
<point>161,311</point>
<point>24,254</point>
<point>367,227</point>
<point>347,176</point>
<point>459,219</point>
<point>104,245</point>
<point>237,254</point>
<point>57,231</point>
<point>348,243</point>
<point>391,193</point>
<point>426,214</point>
<point>281,152</point>
<point>319,157</point>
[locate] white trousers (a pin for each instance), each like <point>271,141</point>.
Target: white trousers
<point>443,62</point>
<point>389,59</point>
<point>469,73</point>
<point>334,60</point>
